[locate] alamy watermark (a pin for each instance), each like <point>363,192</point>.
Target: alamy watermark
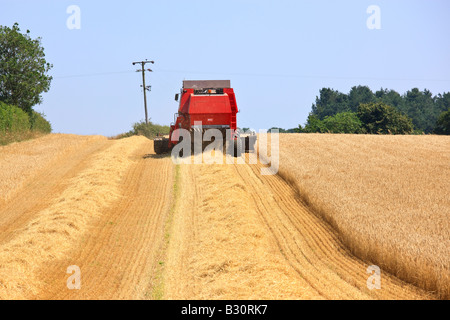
<point>74,281</point>
<point>74,20</point>
<point>374,20</point>
<point>374,281</point>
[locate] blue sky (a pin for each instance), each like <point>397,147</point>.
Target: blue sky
<point>277,54</point>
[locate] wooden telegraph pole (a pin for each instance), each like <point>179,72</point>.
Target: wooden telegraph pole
<point>145,88</point>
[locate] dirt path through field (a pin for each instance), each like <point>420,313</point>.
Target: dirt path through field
<point>240,235</point>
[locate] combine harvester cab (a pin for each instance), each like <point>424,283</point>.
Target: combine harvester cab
<point>213,104</point>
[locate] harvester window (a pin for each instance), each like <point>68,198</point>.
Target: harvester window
<point>207,91</point>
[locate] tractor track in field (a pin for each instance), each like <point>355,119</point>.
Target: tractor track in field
<point>120,256</point>
<point>250,236</point>
<point>139,227</point>
<point>313,248</point>
<point>100,205</point>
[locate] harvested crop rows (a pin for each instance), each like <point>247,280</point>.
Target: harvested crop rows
<point>248,236</point>
<point>140,227</point>
<point>100,207</point>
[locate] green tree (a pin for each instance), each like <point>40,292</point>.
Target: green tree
<point>420,107</point>
<point>381,118</point>
<point>359,94</point>
<point>329,103</point>
<point>390,97</point>
<point>23,69</point>
<point>294,130</point>
<point>443,101</point>
<point>343,122</point>
<point>443,123</point>
<point>313,124</point>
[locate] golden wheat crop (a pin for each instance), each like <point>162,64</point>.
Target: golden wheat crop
<point>387,196</point>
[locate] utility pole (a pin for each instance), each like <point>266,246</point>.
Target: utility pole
<point>145,88</point>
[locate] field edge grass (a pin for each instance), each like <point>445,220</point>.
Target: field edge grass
<point>16,137</point>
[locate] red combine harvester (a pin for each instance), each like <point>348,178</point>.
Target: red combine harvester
<point>207,104</point>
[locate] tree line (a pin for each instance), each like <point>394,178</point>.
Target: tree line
<point>384,111</point>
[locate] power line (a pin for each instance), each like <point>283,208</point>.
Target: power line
<point>258,75</point>
<point>300,76</point>
<point>91,74</point>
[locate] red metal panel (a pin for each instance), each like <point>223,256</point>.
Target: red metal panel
<point>230,93</point>
<point>185,100</point>
<point>204,104</point>
<point>211,119</point>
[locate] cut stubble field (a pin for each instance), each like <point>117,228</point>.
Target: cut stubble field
<point>248,236</point>
<point>140,227</point>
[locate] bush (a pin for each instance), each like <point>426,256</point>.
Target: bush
<point>344,122</point>
<point>313,124</point>
<point>13,119</point>
<point>39,123</point>
<point>381,118</point>
<point>374,118</point>
<point>17,125</point>
<point>149,130</point>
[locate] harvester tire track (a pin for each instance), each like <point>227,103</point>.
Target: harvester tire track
<point>288,250</point>
<point>119,256</point>
<point>237,227</point>
<point>347,263</point>
<point>323,243</point>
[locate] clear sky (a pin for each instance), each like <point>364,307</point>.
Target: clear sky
<point>277,54</point>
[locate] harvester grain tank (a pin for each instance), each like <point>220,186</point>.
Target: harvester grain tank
<point>212,104</point>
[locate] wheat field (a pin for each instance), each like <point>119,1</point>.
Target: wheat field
<point>139,227</point>
<point>387,196</point>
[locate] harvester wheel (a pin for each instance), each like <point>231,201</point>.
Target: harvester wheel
<point>235,145</point>
<point>238,146</point>
<point>161,145</point>
<point>249,142</point>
